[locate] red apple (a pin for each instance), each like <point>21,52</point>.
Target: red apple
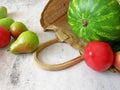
<point>117,60</point>
<point>98,55</point>
<point>4,37</point>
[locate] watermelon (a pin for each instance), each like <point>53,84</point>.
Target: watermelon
<point>95,19</point>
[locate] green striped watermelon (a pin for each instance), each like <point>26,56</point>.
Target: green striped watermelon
<point>95,19</point>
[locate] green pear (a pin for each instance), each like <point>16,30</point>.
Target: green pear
<point>3,12</point>
<point>26,42</point>
<point>17,28</point>
<point>6,22</point>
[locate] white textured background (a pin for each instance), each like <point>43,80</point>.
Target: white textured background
<point>19,72</point>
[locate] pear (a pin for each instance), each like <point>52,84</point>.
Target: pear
<point>3,12</point>
<point>17,28</point>
<point>27,42</point>
<point>6,22</point>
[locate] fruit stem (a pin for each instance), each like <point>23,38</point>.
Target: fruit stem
<point>85,23</point>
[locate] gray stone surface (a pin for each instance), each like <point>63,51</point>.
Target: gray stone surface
<point>19,72</point>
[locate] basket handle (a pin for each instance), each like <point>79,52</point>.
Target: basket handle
<point>54,67</point>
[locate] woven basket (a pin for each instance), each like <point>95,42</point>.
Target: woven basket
<point>54,18</point>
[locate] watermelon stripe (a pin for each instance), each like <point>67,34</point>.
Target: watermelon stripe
<point>85,34</point>
<point>97,6</point>
<point>111,3</point>
<point>110,24</point>
<point>99,36</point>
<point>90,36</point>
<point>93,9</point>
<point>77,9</point>
<point>106,33</point>
<point>105,17</point>
<point>104,9</point>
<point>81,31</point>
<point>72,15</point>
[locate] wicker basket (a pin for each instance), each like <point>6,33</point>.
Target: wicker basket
<point>54,17</point>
